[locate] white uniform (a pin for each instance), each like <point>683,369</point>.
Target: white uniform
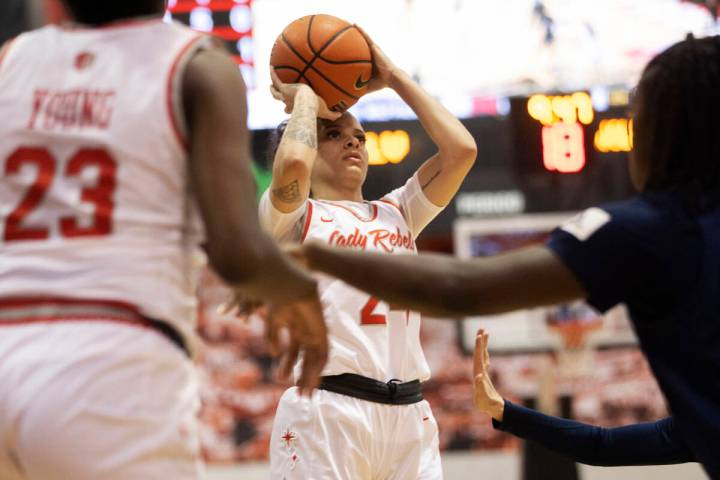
<point>96,224</point>
<point>337,436</point>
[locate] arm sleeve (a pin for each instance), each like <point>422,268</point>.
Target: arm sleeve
<point>415,206</point>
<point>610,255</point>
<point>283,227</point>
<point>655,443</point>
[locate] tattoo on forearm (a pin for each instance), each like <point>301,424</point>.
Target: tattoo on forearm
<point>289,193</point>
<point>302,126</point>
<point>431,179</point>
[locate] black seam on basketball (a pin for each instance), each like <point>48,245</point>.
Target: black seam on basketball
<point>286,67</point>
<point>342,62</point>
<point>303,77</point>
<point>338,62</point>
<point>310,45</point>
<point>309,29</point>
<point>292,49</point>
<point>332,83</point>
<point>325,45</point>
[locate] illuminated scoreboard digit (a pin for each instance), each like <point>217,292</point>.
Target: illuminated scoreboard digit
<point>563,138</point>
<point>563,147</point>
<point>229,20</point>
<point>562,133</point>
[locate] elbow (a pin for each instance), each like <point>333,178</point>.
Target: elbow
<point>463,152</point>
<point>467,150</point>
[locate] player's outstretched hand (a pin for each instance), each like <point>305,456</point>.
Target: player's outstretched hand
<point>303,320</point>
<point>383,67</point>
<point>286,92</point>
<point>296,251</point>
<point>486,398</point>
<point>241,306</point>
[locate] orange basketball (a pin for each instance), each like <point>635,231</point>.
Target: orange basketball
<point>327,53</point>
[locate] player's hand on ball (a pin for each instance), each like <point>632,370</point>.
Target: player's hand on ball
<point>486,398</point>
<point>383,67</point>
<point>287,92</point>
<point>304,322</point>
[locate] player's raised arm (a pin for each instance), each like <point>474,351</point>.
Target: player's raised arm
<point>443,173</point>
<point>297,150</point>
<point>442,285</point>
<point>239,251</point>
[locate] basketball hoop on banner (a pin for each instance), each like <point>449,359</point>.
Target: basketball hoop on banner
<point>574,324</point>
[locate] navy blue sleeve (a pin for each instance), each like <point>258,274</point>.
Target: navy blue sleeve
<point>612,252</point>
<point>656,443</point>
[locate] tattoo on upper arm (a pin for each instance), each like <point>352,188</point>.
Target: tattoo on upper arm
<point>289,193</point>
<point>431,179</point>
<point>302,126</point>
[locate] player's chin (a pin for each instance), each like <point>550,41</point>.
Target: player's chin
<point>358,172</point>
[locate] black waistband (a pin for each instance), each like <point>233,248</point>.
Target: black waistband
<point>170,333</point>
<point>364,388</point>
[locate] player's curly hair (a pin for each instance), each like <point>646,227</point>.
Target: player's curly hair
<point>678,108</point>
<point>94,12</point>
<point>275,138</point>
<point>274,142</point>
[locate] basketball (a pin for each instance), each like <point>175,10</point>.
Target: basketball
<point>326,53</point>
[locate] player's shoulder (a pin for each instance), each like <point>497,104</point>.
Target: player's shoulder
<point>652,210</point>
<point>652,216</point>
<point>638,210</point>
<point>12,43</point>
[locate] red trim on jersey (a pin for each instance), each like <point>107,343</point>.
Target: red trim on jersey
<point>364,220</point>
<point>15,302</point>
<point>139,322</point>
<point>169,91</point>
<point>5,49</point>
<point>133,317</point>
<point>385,200</point>
<point>308,218</point>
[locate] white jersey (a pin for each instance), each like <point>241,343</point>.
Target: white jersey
<point>366,338</point>
<point>94,200</point>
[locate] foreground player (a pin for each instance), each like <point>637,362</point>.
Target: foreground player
<point>106,129</point>
<point>652,443</point>
<point>658,253</point>
<point>369,419</point>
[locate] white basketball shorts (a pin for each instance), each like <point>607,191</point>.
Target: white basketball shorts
<point>95,400</point>
<point>334,436</point>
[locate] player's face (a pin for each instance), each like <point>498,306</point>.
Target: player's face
<point>342,156</point>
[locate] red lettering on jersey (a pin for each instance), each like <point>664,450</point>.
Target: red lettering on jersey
<point>381,239</point>
<point>71,109</point>
<point>38,99</point>
<point>353,240</point>
<point>388,240</point>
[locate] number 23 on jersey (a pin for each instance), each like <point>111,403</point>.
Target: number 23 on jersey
<point>100,194</point>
